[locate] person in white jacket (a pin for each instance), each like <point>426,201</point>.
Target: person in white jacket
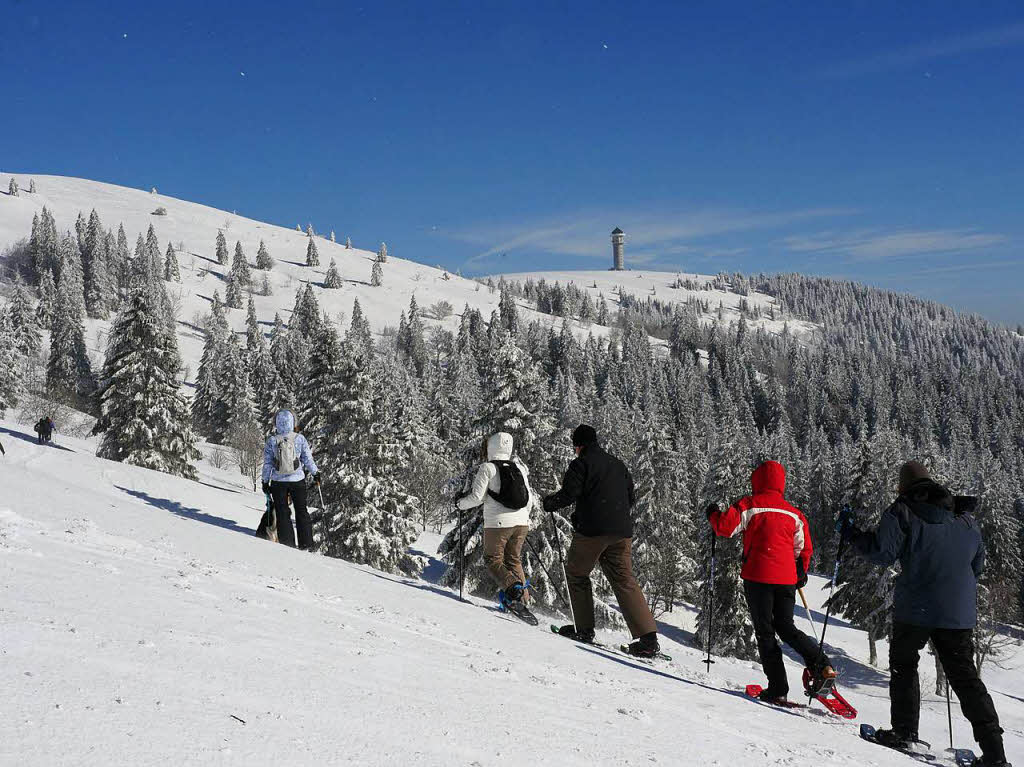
<point>506,515</point>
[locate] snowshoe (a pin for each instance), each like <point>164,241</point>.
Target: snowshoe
<point>645,647</point>
<point>822,688</point>
<point>770,697</point>
<point>569,632</point>
<point>904,743</point>
<point>516,607</point>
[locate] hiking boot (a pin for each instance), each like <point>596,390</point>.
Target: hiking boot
<point>645,647</point>
<point>992,751</point>
<point>772,695</point>
<point>569,632</point>
<point>895,739</point>
<point>820,680</point>
<point>514,593</point>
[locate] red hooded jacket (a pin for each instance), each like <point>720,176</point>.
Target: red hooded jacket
<point>775,534</point>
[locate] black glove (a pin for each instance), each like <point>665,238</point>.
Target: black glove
<point>801,574</point>
<point>266,488</point>
<point>316,478</point>
<point>712,508</point>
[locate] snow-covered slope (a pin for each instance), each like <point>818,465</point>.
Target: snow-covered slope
<point>193,228</point>
<point>143,625</point>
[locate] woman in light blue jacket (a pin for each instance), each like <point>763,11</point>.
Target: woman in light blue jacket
<point>284,458</point>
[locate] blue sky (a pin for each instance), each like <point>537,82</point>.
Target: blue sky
<point>872,140</point>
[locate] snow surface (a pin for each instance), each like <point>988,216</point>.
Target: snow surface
<point>194,227</point>
<point>140,618</point>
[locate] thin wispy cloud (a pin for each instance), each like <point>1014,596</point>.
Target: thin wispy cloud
<point>876,245</point>
<point>920,53</point>
<point>650,236</point>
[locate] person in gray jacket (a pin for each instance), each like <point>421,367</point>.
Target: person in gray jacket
<point>284,458</point>
<point>938,544</point>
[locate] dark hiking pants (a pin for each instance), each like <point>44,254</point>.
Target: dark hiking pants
<point>503,548</point>
<point>771,611</point>
<point>281,492</point>
<point>614,553</point>
<point>955,648</point>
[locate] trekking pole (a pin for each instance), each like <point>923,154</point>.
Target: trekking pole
<point>565,577</point>
<point>547,572</point>
<point>949,715</point>
<point>832,590</point>
<point>807,611</point>
<point>711,599</point>
<point>462,556</point>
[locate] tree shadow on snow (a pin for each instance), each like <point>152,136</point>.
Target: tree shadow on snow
<point>435,568</point>
<point>417,584</point>
<point>623,661</point>
<point>185,511</point>
<point>34,440</point>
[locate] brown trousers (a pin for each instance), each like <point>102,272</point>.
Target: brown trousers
<point>616,557</point>
<point>503,547</point>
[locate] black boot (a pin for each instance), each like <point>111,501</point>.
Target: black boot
<point>774,695</point>
<point>901,741</point>
<point>992,751</point>
<point>569,631</point>
<point>645,647</point>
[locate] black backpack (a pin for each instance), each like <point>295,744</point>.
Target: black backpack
<point>513,493</point>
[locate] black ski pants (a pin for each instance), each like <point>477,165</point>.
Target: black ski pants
<point>955,648</point>
<point>771,610</point>
<point>281,492</point>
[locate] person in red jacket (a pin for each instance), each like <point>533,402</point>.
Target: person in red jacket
<point>776,553</point>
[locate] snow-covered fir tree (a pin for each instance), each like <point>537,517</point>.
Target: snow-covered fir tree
<point>382,253</point>
<point>332,280</point>
<point>24,321</point>
<point>263,258</point>
<point>312,254</point>
<point>234,292</point>
<point>222,254</point>
<point>376,275</point>
<point>171,271</point>
<point>143,416</point>
<point>348,243</point>
<point>31,186</point>
<point>11,383</point>
<point>69,376</point>
<point>12,188</point>
<point>240,267</point>
<point>47,297</point>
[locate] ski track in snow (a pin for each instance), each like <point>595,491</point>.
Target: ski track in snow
<point>133,635</point>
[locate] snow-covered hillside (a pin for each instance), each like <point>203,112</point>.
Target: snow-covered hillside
<point>192,228</point>
<point>143,624</point>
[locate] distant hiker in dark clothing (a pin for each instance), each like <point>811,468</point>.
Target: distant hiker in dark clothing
<point>44,429</point>
<point>776,553</point>
<point>938,544</point>
<point>284,457</point>
<point>501,486</point>
<point>601,487</point>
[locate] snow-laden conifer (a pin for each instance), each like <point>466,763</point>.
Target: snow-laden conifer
<point>332,280</point>
<point>143,416</point>
<point>263,258</point>
<point>222,248</point>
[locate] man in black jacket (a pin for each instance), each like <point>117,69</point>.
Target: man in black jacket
<point>939,548</point>
<point>602,489</point>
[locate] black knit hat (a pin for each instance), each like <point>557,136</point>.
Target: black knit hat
<point>583,435</point>
<point>911,472</point>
